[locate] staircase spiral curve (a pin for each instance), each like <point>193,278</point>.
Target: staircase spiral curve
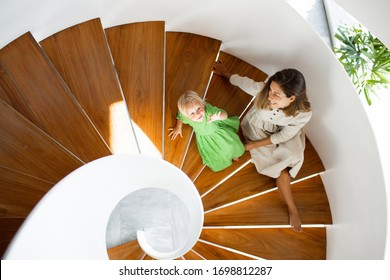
<point>87,92</point>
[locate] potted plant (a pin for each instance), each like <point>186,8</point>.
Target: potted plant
<point>365,59</point>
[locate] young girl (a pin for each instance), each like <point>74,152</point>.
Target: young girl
<point>216,134</point>
<point>273,127</point>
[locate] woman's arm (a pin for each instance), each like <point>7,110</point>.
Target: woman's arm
<point>246,84</point>
<point>220,69</point>
<point>249,145</point>
<point>289,131</point>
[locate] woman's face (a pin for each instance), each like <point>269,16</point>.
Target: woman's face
<point>277,98</point>
<point>196,112</point>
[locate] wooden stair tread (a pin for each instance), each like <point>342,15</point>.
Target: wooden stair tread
<point>189,63</point>
<point>191,255</point>
<point>127,251</point>
<point>147,258</point>
<point>272,243</point>
<point>27,149</point>
<point>142,80</point>
<point>81,55</point>
<point>223,95</point>
<point>8,229</point>
<point>248,181</point>
<point>31,85</point>
<point>208,178</point>
<point>270,209</point>
<point>19,193</point>
<point>210,252</point>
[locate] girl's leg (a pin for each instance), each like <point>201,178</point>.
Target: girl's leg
<point>283,184</point>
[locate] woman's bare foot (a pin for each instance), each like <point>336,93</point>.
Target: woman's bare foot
<point>296,223</point>
<point>236,159</point>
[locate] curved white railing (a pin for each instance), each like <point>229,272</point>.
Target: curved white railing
<point>70,222</point>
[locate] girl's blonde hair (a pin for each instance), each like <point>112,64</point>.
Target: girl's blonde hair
<point>189,98</point>
<point>292,83</point>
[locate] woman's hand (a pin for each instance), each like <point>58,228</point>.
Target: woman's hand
<point>219,69</point>
<point>175,131</point>
<point>250,145</point>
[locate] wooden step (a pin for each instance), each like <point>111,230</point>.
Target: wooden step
<point>208,179</point>
<point>127,251</point>
<point>8,228</point>
<point>189,63</point>
<point>192,255</point>
<point>19,193</point>
<point>270,209</point>
<point>210,252</point>
<point>223,95</point>
<point>272,243</point>
<point>248,181</point>
<point>138,53</point>
<point>30,84</point>
<point>82,57</point>
<point>27,149</point>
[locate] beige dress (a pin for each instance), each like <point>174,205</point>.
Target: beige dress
<point>287,137</point>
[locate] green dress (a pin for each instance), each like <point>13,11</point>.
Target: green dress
<point>218,142</point>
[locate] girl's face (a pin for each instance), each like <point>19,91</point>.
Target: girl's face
<point>196,112</point>
<point>277,98</point>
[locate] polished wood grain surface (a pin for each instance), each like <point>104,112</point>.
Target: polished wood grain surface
<point>30,84</point>
<point>223,95</point>
<point>189,63</point>
<point>27,149</point>
<point>191,255</point>
<point>142,80</point>
<point>226,96</point>
<point>248,181</point>
<point>127,251</point>
<point>19,193</point>
<point>8,228</point>
<point>211,252</point>
<point>270,209</point>
<point>272,243</point>
<point>208,179</point>
<point>81,55</point>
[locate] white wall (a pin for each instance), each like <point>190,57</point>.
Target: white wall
<point>270,35</point>
<point>375,17</point>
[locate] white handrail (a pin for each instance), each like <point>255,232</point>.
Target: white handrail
<point>70,222</point>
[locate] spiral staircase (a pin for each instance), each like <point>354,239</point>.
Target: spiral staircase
<point>87,92</point>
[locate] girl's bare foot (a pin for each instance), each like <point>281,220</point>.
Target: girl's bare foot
<point>236,159</point>
<point>296,223</point>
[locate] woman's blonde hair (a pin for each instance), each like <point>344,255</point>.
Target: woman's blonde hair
<point>292,82</point>
<point>189,98</point>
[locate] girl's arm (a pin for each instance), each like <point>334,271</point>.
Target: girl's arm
<point>220,116</point>
<point>175,131</point>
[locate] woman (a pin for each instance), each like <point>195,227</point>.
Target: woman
<point>273,127</point>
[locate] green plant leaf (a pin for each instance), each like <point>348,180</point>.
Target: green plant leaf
<point>365,59</point>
